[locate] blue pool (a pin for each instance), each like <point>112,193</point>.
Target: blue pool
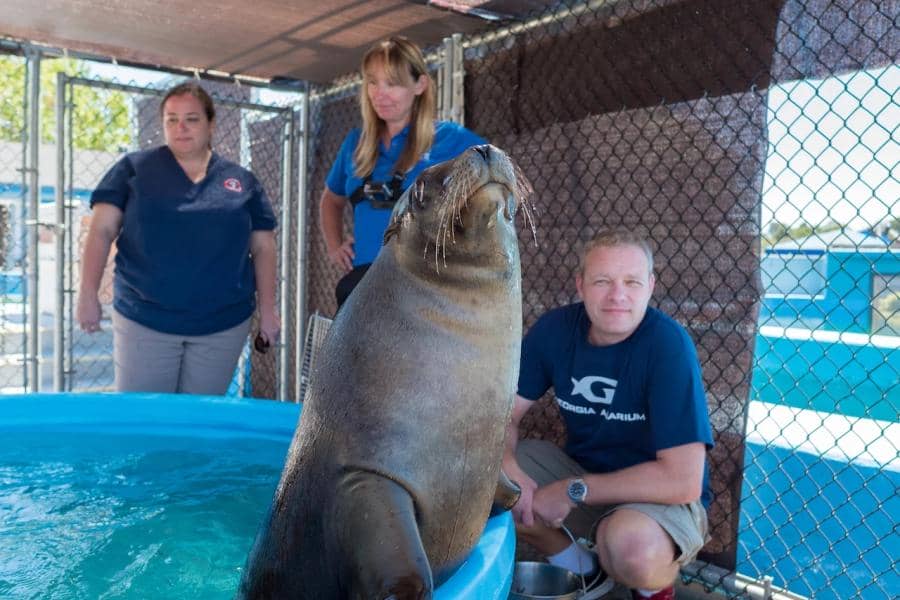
<point>820,505</point>
<point>130,496</point>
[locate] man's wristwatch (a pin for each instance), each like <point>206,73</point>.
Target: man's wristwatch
<point>578,491</point>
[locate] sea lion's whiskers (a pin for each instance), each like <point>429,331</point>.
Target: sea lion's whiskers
<point>444,215</point>
<point>438,237</point>
<point>454,187</point>
<point>523,193</point>
<point>528,220</point>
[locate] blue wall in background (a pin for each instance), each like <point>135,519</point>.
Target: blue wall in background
<point>48,192</point>
<point>846,302</point>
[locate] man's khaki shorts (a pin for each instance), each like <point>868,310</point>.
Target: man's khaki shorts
<point>686,524</point>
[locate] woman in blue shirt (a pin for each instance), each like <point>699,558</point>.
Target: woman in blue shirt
<point>195,252</point>
<point>377,162</point>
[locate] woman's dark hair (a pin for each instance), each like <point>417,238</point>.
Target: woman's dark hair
<point>195,90</point>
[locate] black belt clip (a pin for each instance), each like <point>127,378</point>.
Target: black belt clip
<point>379,195</point>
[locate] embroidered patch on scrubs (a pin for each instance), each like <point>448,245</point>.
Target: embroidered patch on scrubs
<point>233,185</point>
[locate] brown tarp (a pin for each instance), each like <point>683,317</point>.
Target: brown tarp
<point>647,116</point>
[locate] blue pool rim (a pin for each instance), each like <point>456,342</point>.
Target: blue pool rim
<point>486,574</point>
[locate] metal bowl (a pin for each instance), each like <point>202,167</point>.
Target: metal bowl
<point>543,581</point>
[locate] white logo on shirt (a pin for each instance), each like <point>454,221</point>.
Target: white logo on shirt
<point>583,388</point>
<point>604,414</point>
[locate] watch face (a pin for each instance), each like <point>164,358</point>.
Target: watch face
<point>577,491</point>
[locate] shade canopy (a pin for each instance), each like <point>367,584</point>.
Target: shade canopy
<point>312,40</point>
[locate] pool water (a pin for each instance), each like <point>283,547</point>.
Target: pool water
<point>822,524</point>
<point>122,516</point>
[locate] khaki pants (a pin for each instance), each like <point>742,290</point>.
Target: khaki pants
<point>686,524</point>
<point>147,360</point>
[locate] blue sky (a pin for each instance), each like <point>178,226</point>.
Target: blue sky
<point>834,150</point>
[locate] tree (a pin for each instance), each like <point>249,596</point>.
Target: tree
<point>892,231</point>
<point>100,119</point>
<point>12,89</point>
<point>779,231</point>
<point>776,232</point>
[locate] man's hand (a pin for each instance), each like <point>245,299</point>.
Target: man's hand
<point>521,511</point>
<point>551,504</point>
<point>343,255</point>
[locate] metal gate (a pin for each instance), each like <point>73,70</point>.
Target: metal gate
<point>260,137</point>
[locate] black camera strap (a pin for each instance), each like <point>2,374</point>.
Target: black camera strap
<point>380,195</point>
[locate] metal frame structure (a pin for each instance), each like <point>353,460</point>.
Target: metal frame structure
<point>451,60</point>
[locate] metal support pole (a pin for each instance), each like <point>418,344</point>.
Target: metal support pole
<point>72,278</point>
<point>737,583</point>
<point>446,77</point>
<point>59,316</point>
<point>34,191</point>
<point>287,147</point>
<point>452,78</point>
<point>458,77</point>
<point>302,206</point>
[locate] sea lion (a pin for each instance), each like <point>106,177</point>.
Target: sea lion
<point>391,473</point>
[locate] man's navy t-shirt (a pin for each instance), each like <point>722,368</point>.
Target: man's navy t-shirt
<point>623,402</point>
<point>183,261</point>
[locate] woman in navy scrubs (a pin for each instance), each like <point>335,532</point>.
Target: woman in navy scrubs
<point>377,162</point>
<point>195,254</point>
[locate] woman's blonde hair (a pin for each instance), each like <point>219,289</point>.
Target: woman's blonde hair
<point>401,58</point>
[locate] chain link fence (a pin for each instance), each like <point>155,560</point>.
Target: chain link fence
<point>102,120</point>
<point>14,260</point>
<point>257,136</point>
<point>755,144</point>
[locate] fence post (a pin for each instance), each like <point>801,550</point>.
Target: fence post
<point>458,74</point>
<point>30,172</point>
<point>302,208</point>
<point>284,268</point>
<point>59,317</point>
<point>445,74</point>
<point>451,74</point>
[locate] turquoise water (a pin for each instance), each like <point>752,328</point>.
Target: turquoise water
<point>132,516</point>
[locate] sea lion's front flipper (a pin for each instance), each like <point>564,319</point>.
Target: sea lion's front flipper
<point>506,495</point>
<point>379,539</point>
